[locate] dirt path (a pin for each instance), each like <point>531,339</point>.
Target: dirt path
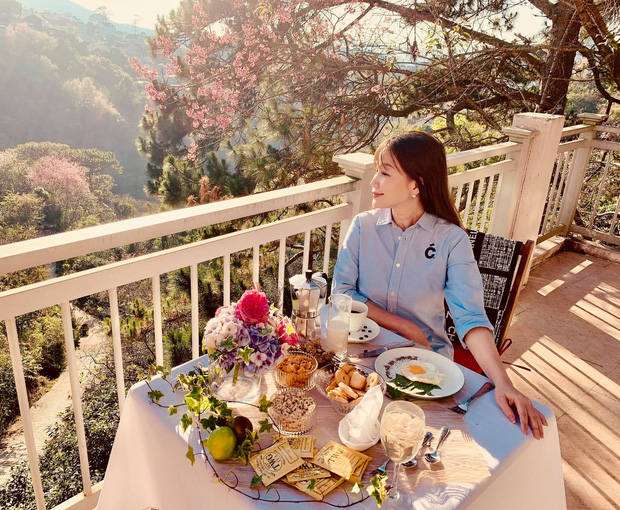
<point>45,412</point>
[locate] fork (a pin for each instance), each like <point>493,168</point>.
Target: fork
<point>381,469</point>
<point>462,407</point>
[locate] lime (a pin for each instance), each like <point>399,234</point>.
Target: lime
<point>222,443</point>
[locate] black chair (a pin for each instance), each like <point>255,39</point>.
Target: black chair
<point>502,263</point>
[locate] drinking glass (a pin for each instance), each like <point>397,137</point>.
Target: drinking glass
<point>402,433</point>
<point>338,318</point>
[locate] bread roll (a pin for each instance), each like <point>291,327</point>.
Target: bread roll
<point>358,381</point>
<point>372,380</point>
<point>341,376</point>
<point>347,390</point>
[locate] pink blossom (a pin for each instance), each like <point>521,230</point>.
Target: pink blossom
<point>286,331</point>
<point>253,307</point>
<point>62,178</point>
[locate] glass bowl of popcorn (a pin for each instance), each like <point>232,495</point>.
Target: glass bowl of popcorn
<point>293,411</point>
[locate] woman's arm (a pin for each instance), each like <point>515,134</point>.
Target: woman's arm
<point>398,324</point>
<point>480,343</point>
<point>346,270</point>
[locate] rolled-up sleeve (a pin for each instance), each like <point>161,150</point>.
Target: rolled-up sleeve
<point>464,292</point>
<point>346,271</point>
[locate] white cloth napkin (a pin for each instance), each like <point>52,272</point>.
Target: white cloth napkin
<point>363,422</point>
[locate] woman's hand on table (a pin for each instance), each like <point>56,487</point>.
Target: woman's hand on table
<point>412,331</point>
<point>398,324</point>
<point>482,346</point>
<point>509,399</point>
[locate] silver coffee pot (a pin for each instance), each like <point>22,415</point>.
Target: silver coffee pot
<point>308,294</point>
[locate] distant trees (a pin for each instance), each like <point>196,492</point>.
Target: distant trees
<point>323,76</point>
<point>52,188</point>
<point>54,89</point>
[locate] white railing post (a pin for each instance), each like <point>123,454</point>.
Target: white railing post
<point>536,169</point>
<point>507,196</point>
<point>76,397</point>
<point>358,165</point>
<point>24,409</point>
<point>580,165</point>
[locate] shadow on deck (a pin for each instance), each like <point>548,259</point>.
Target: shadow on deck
<point>567,331</point>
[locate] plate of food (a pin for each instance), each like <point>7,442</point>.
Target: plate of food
<point>419,373</point>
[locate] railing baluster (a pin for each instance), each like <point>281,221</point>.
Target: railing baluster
<point>614,220</point>
<point>470,191</point>
<point>255,264</point>
<point>485,223</point>
<point>568,163</point>
<point>328,245</point>
<point>477,207</point>
<point>307,239</point>
<point>195,317</point>
<point>457,201</point>
<point>76,396</point>
<point>157,324</point>
<point>227,279</point>
<point>546,226</point>
<point>117,348</point>
<point>498,187</point>
<point>281,265</point>
<point>600,189</point>
<point>24,411</point>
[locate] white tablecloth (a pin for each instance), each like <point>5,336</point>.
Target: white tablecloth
<point>148,467</point>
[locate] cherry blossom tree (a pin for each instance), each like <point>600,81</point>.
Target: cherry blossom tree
<point>64,186</point>
<point>304,79</point>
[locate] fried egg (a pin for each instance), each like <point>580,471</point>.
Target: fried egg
<point>422,371</point>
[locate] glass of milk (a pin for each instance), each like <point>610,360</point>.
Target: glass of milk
<point>338,319</point>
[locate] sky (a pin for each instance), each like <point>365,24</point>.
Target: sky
<point>125,11</point>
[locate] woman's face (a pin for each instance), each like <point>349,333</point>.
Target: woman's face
<point>391,187</point>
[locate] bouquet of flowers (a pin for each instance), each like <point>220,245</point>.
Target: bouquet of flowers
<point>248,335</point>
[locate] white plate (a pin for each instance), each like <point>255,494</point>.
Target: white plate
<point>387,365</point>
<point>369,330</point>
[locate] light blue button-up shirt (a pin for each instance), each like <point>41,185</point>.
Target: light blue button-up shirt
<point>410,273</point>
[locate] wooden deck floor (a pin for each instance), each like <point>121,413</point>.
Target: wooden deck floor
<point>567,331</point>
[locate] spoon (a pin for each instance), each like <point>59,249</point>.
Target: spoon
<point>428,437</point>
<point>434,457</point>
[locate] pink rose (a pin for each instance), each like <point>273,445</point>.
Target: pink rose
<point>286,332</point>
<point>253,307</point>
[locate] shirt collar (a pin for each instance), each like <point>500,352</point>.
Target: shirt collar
<point>427,221</point>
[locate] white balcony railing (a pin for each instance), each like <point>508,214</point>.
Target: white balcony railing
<point>506,197</point>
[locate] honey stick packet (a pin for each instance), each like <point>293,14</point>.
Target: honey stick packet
<point>275,462</point>
<point>342,461</point>
<point>303,446</point>
<point>307,471</point>
<point>322,487</point>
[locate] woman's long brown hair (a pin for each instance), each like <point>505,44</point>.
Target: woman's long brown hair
<point>423,159</point>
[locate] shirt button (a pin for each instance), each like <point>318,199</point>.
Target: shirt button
<point>400,238</point>
<point>391,309</point>
<point>392,293</point>
<point>397,265</point>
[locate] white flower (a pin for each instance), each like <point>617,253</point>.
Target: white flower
<point>209,343</point>
<point>258,358</point>
<point>230,328</point>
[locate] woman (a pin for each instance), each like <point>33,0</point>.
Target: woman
<point>410,253</point>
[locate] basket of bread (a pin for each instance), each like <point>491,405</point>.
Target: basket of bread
<point>344,385</point>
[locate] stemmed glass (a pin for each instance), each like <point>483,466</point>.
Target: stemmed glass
<point>402,433</point>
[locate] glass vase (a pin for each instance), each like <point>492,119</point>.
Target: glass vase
<point>234,386</point>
